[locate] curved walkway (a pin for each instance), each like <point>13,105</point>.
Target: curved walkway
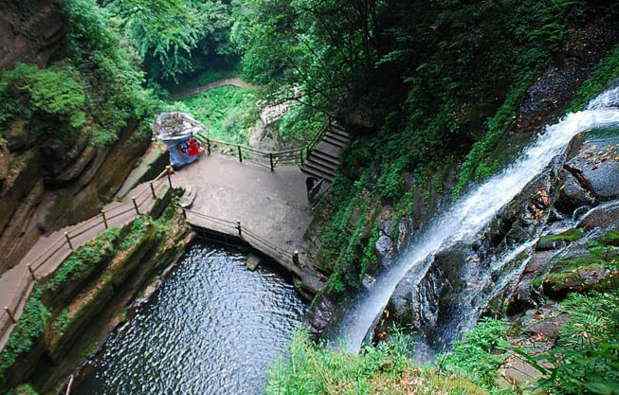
<point>51,250</point>
<point>271,207</point>
<point>239,83</point>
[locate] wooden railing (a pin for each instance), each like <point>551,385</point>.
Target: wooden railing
<point>242,232</point>
<point>153,190</point>
<point>267,159</point>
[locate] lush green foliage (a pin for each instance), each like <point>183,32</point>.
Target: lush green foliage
<point>83,260</point>
<point>94,92</point>
<point>313,369</point>
<point>586,357</point>
<point>300,125</point>
<point>228,112</point>
<point>27,92</point>
<point>605,72</point>
<point>27,332</point>
<point>110,70</point>
<point>479,354</point>
<point>174,37</point>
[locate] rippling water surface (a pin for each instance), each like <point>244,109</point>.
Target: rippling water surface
<point>213,328</point>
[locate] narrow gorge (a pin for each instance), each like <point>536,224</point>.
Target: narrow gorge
<point>309,197</point>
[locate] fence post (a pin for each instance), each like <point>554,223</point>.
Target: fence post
<point>66,235</point>
<point>295,258</point>
<point>32,272</point>
<point>152,189</point>
<point>271,160</point>
<point>168,172</point>
<point>239,229</point>
<point>238,147</point>
<point>10,313</point>
<point>135,205</point>
<point>301,154</point>
<point>208,146</point>
<point>104,219</point>
<point>184,213</point>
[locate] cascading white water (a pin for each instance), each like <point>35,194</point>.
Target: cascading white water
<point>464,220</point>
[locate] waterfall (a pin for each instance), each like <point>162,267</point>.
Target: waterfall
<point>470,215</point>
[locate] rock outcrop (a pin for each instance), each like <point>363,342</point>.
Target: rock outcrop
<point>31,31</point>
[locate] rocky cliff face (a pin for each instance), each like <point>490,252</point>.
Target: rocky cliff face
<point>46,184</point>
<point>31,31</point>
<point>44,188</point>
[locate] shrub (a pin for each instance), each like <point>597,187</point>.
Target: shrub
<point>479,354</point>
<point>386,368</point>
<point>586,357</point>
<point>26,333</point>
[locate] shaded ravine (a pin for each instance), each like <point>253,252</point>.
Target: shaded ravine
<point>468,217</point>
<point>214,327</point>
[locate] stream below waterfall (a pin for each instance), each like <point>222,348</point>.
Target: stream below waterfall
<point>213,327</point>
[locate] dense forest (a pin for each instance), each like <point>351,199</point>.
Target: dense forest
<point>438,96</point>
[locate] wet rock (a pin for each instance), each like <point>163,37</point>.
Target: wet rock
<point>426,300</point>
<point>572,194</point>
<point>554,242</point>
<point>321,314</point>
<point>384,246</point>
<point>603,216</point>
<point>558,284</point>
<point>596,168</point>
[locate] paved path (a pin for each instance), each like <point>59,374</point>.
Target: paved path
<point>239,83</point>
<point>273,206</point>
<point>52,249</point>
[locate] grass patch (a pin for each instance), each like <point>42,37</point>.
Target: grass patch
<point>386,368</point>
<point>300,125</point>
<point>602,76</point>
<point>228,112</point>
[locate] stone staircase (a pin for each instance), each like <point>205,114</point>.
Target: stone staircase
<point>324,158</point>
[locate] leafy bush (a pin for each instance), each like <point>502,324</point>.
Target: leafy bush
<point>586,357</point>
<point>26,333</point>
<point>173,37</point>
<point>300,125</point>
<point>228,112</point>
<point>479,354</point>
<point>52,93</point>
<point>386,368</point>
<point>83,260</point>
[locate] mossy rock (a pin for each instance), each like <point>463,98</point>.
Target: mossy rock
<point>553,242</point>
<point>61,334</point>
<point>610,239</point>
<point>581,279</point>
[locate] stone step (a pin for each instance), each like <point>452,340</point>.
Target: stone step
<point>340,132</point>
<point>314,172</point>
<point>319,155</point>
<point>338,137</point>
<point>335,142</point>
<point>330,150</point>
<point>326,163</point>
<point>319,166</point>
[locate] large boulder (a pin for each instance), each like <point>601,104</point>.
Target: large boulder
<point>591,176</point>
<point>603,216</point>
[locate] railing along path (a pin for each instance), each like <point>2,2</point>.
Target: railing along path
<point>266,159</point>
<point>65,242</point>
